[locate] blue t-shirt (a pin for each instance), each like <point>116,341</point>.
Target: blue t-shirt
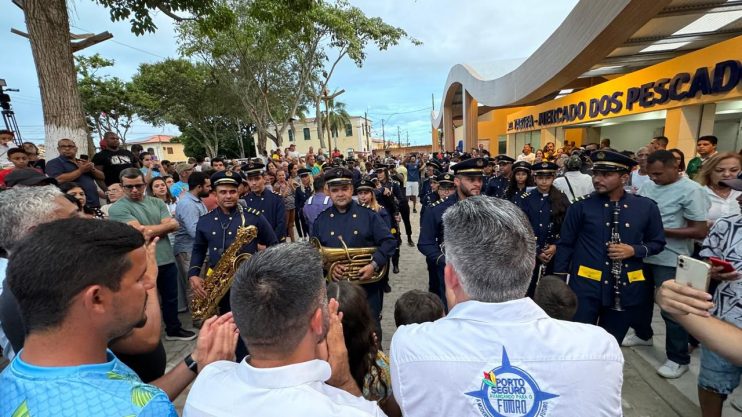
<point>103,389</point>
<point>177,188</point>
<point>413,172</point>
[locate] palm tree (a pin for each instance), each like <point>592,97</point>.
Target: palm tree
<point>338,117</point>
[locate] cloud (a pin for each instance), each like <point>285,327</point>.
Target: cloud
<point>493,36</point>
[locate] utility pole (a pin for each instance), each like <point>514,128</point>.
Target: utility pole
<point>366,130</point>
<point>383,137</point>
<point>407,132</point>
<point>399,141</point>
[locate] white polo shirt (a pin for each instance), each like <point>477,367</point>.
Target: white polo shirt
<point>505,359</point>
<point>237,389</point>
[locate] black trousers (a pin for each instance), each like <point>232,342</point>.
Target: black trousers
<point>591,311</point>
<point>404,211</point>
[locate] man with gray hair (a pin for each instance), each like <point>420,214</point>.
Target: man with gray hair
<point>21,210</point>
<point>279,302</point>
<point>574,184</point>
<point>497,352</point>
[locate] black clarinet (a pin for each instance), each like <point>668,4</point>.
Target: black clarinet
<point>616,263</point>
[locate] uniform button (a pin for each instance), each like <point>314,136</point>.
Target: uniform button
<point>607,263</point>
<point>261,199</point>
<point>215,249</point>
<point>539,211</point>
<point>625,206</point>
<point>332,233</point>
<point>213,233</point>
<point>354,215</point>
<point>624,284</point>
<point>229,233</point>
<point>605,282</point>
<point>355,232</point>
<point>607,224</point>
<point>230,218</point>
<point>540,225</point>
<point>216,218</point>
<point>606,204</point>
<point>627,225</point>
<point>625,265</point>
<point>262,211</point>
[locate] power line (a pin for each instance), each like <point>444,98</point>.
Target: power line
<point>401,112</point>
<point>123,44</point>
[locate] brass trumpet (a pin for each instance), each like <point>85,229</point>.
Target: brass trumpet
<point>352,258</point>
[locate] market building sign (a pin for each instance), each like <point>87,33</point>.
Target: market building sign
<point>662,86</point>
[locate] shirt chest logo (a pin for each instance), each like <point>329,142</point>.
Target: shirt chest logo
<point>509,391</point>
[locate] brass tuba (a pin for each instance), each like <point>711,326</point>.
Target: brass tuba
<point>353,258</point>
<point>217,284</point>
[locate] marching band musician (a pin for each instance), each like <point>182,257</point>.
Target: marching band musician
<point>217,229</point>
<point>545,208</point>
<point>520,182</point>
<point>389,195</point>
<point>357,226</point>
<point>432,169</point>
<point>585,251</point>
<point>430,197</point>
<point>497,185</point>
<point>468,182</point>
<point>266,202</point>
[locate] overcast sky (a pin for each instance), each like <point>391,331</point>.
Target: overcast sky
<point>396,85</point>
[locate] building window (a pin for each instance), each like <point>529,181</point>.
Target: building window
<point>169,150</point>
<point>291,135</point>
<point>307,134</point>
<point>348,130</point>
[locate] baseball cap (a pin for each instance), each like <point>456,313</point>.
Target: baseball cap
<point>179,168</point>
<point>28,177</point>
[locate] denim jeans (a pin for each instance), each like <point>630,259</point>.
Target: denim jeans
<point>167,286</point>
<point>676,338</point>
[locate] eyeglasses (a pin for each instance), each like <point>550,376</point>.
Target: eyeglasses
<point>133,186</point>
<point>68,146</point>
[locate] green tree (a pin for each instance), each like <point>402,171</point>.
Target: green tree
<point>187,95</point>
<point>47,23</point>
<point>106,100</point>
<point>275,55</point>
<point>335,118</point>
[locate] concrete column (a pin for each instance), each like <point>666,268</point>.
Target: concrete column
<point>449,140</point>
<point>470,116</point>
<point>435,139</point>
<point>559,137</point>
<point>547,135</point>
<point>684,125</point>
<point>510,149</point>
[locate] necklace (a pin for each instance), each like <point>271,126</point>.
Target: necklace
<point>722,192</point>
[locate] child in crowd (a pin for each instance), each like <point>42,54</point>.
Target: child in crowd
<point>416,306</point>
<point>556,298</point>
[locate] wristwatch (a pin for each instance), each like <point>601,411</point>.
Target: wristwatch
<point>191,364</point>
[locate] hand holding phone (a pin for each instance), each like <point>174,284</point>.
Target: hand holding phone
<point>692,272</point>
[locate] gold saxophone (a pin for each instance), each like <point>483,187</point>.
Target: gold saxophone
<point>353,258</point>
<point>218,282</point>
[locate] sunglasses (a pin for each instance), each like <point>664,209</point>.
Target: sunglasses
<point>133,186</point>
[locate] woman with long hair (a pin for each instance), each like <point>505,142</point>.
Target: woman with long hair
<point>157,187</point>
<point>33,156</point>
<point>73,189</point>
<point>722,166</point>
<point>680,157</point>
<point>545,208</point>
<point>520,180</point>
<point>369,366</point>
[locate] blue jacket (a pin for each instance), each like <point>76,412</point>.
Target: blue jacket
<point>431,232</point>
<point>359,227</point>
<point>271,206</point>
<point>582,251</point>
<point>216,230</point>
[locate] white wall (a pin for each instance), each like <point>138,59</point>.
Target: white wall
<point>728,133</point>
<point>631,136</point>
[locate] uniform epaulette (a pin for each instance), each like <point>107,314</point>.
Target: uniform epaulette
<point>252,211</point>
<point>365,206</point>
<point>524,195</point>
<point>209,212</point>
<point>583,197</point>
<point>436,203</point>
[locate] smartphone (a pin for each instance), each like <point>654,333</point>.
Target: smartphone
<point>722,263</point>
<point>692,271</point>
<point>83,157</point>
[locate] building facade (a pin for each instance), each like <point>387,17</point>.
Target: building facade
<point>353,136</point>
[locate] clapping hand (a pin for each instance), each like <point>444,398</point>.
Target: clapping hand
<point>217,340</point>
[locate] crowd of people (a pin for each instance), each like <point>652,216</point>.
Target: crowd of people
<point>538,266</point>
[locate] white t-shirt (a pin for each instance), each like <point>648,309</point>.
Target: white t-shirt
<point>530,158</point>
<point>237,389</point>
<point>506,359</point>
<point>637,180</point>
<point>582,184</point>
<point>721,207</point>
